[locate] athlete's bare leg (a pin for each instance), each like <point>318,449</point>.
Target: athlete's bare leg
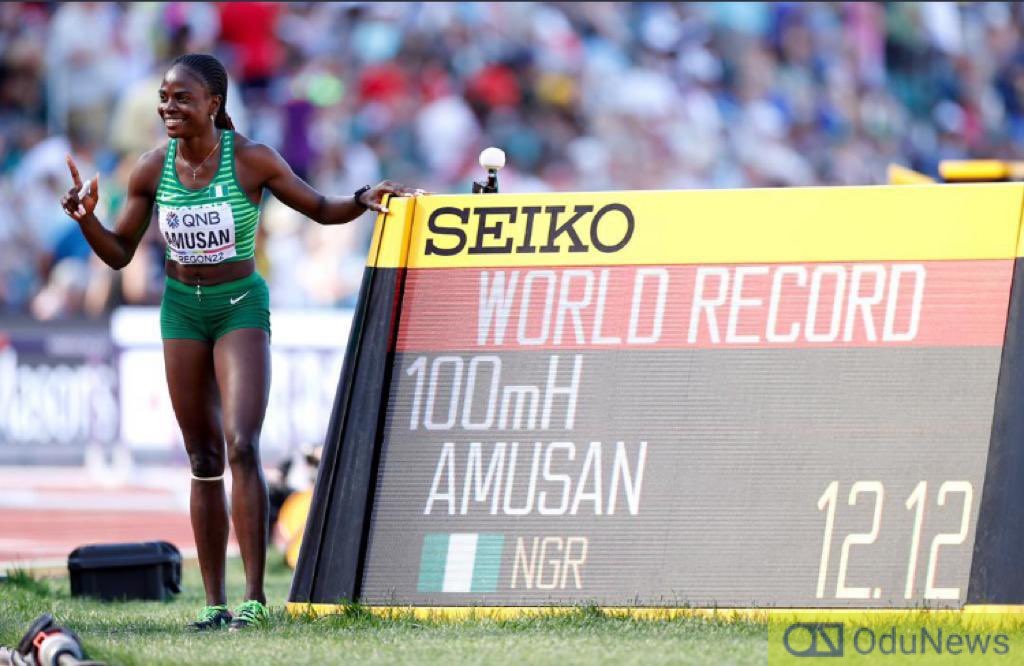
<point>242,361</point>
<point>190,377</point>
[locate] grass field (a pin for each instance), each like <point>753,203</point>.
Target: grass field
<point>152,633</point>
<point>147,633</point>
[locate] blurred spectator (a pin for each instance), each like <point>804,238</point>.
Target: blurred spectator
<point>249,29</point>
<point>582,96</point>
<point>85,67</point>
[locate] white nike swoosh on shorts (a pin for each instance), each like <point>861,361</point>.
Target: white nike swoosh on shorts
<point>235,300</point>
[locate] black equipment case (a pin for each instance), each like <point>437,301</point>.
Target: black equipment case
<point>109,571</point>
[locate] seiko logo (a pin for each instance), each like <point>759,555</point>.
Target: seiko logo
<point>547,229</point>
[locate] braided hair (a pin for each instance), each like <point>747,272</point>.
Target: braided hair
<point>213,75</point>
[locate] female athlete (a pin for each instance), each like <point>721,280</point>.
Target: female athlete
<point>207,182</point>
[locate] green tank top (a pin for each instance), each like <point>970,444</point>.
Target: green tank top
<point>209,225</point>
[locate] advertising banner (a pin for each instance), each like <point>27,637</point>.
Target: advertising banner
<point>68,389</point>
<point>58,392</point>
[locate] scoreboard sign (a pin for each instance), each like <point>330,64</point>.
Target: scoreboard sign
<point>757,398</point>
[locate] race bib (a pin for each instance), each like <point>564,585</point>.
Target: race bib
<point>199,234</point>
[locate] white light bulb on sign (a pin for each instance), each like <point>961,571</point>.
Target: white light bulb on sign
<point>492,158</point>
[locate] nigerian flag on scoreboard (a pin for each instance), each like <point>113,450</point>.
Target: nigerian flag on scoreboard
<point>460,562</point>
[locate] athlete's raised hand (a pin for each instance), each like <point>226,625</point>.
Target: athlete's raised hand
<point>373,197</point>
<point>81,199</point>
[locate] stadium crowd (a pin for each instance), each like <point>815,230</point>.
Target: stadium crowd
<point>581,96</point>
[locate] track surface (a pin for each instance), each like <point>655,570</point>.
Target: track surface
<point>45,513</point>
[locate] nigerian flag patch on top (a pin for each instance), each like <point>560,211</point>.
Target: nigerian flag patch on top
<point>460,562</point>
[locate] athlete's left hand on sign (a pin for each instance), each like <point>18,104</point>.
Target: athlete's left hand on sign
<point>374,196</point>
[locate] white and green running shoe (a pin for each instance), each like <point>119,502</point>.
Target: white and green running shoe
<point>211,617</point>
<point>250,614</point>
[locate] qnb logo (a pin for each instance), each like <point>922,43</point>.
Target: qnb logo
<point>814,639</point>
<point>201,219</point>
<point>172,220</point>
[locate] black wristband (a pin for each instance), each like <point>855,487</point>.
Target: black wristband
<point>359,193</point>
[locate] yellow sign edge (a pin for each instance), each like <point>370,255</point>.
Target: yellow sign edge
<point>375,240</point>
<point>392,233</point>
<point>298,609</point>
<point>1020,232</point>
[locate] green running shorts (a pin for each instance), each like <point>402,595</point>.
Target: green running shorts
<point>206,313</point>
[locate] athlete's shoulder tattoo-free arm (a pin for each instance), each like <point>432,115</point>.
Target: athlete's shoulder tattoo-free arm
<point>276,175</point>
